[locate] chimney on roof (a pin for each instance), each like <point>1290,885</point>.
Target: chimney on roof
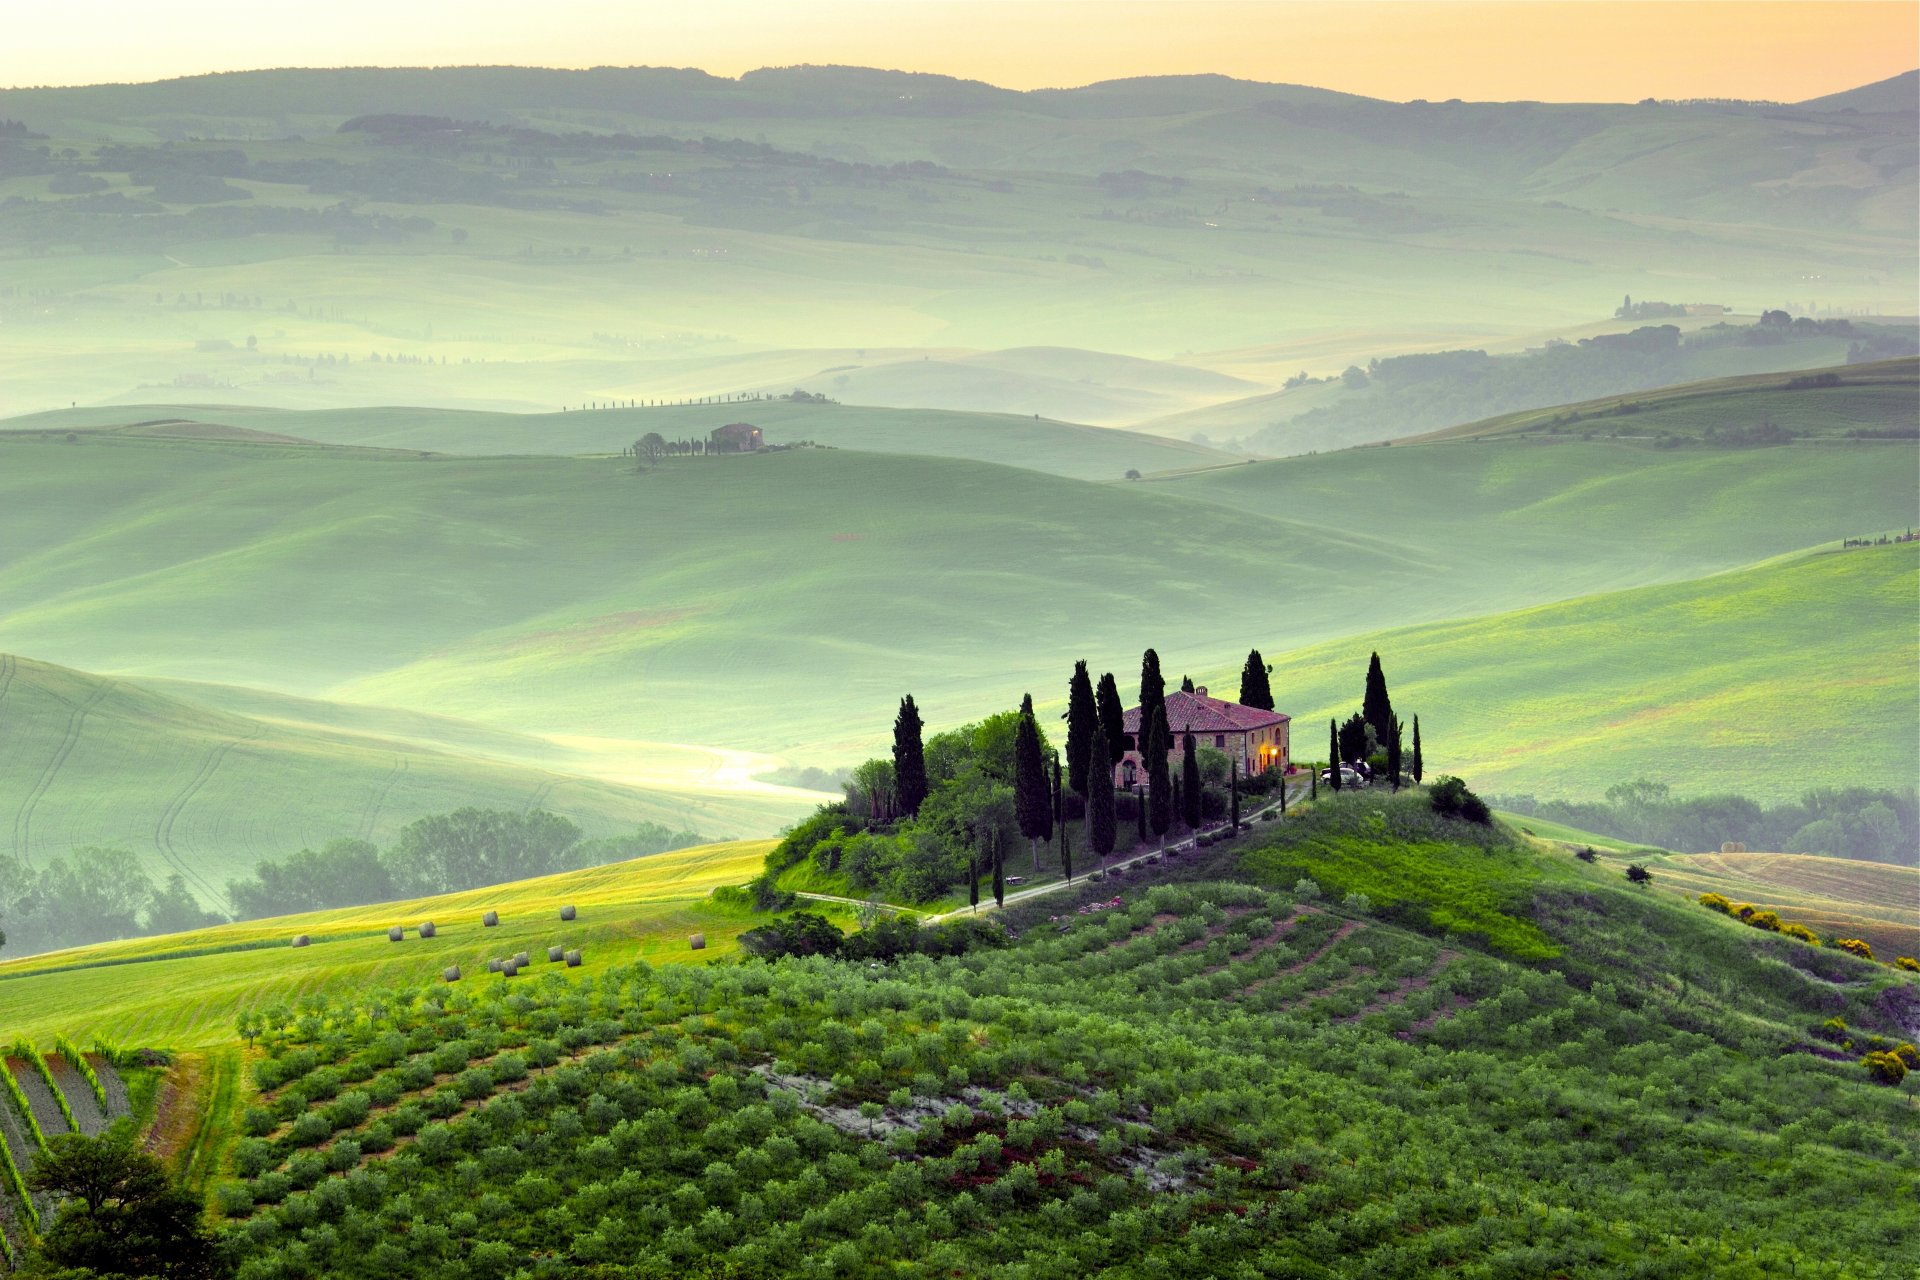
<point>1200,691</point>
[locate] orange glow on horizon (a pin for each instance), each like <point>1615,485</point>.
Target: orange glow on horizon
<point>1549,50</point>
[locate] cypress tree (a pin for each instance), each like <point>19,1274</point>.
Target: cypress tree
<point>1283,795</point>
<point>1376,707</point>
<point>1139,819</point>
<point>1060,824</point>
<point>1153,689</point>
<point>1082,719</point>
<point>999,871</point>
<point>909,758</point>
<point>1100,797</point>
<point>1313,787</point>
<point>1333,753</point>
<point>1160,776</point>
<point>1255,689</point>
<point>1032,804</point>
<point>973,875</point>
<point>1416,749</point>
<point>1233,785</point>
<point>1186,684</point>
<point>1393,756</point>
<point>1190,782</point>
<point>1113,721</point>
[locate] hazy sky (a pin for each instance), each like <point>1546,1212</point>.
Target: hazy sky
<point>1566,50</point>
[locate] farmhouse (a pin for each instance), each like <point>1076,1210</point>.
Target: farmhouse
<point>1255,738</point>
<point>735,437</point>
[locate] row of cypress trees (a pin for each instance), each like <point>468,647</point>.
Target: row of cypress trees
<point>1377,722</point>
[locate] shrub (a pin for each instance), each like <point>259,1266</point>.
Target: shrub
<point>233,1200</point>
<point>1451,799</point>
<point>1767,920</point>
<point>311,1128</point>
<point>1832,1029</point>
<point>1639,874</point>
<point>1852,946</point>
<point>1801,932</point>
<point>1714,902</point>
<point>1907,1054</point>
<point>1886,1068</point>
<point>1908,963</point>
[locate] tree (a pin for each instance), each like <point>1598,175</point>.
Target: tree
<point>1255,688</point>
<point>1639,874</point>
<point>650,448</point>
<point>1160,775</point>
<point>872,784</point>
<point>909,759</point>
<point>1186,684</point>
<point>1189,782</point>
<point>1417,768</point>
<point>1393,755</point>
<point>1100,796</point>
<point>1376,707</point>
<point>1113,721</point>
<point>1153,689</point>
<point>122,1215</point>
<point>248,1025</point>
<point>1233,785</point>
<point>1060,823</point>
<point>973,876</point>
<point>999,872</point>
<point>1356,738</point>
<point>1083,720</point>
<point>174,909</point>
<point>1333,755</point>
<point>1032,800</point>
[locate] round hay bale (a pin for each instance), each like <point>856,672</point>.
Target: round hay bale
<point>490,920</point>
<point>396,934</point>
<point>493,966</point>
<point>426,929</point>
<point>556,954</point>
<point>301,940</point>
<point>451,973</point>
<point>567,912</point>
<point>573,959</point>
<point>509,969</point>
<point>697,942</point>
<point>520,960</point>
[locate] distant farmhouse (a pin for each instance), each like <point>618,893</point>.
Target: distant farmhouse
<point>1257,739</point>
<point>735,437</point>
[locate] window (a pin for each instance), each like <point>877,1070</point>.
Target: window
<point>1220,741</point>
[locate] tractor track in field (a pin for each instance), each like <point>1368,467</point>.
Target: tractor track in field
<point>539,797</point>
<point>8,665</point>
<point>23,818</point>
<point>380,801</point>
<point>163,829</point>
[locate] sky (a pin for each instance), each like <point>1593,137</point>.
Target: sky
<point>1550,50</point>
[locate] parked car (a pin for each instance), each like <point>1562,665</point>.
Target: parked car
<point>1348,778</point>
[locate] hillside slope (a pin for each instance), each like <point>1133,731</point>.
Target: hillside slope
<point>1039,444</point>
<point>86,760</point>
<point>1772,679</point>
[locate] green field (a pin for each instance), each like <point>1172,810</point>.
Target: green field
<point>182,990</point>
<point>1061,448</point>
<point>86,760</point>
<point>1835,897</point>
<point>1754,682</point>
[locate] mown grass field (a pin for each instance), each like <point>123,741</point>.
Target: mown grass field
<point>1841,897</point>
<point>86,760</point>
<point>183,990</point>
<point>1732,683</point>
<point>1023,440</point>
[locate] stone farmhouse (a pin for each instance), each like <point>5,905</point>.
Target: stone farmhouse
<point>1257,739</point>
<point>735,437</point>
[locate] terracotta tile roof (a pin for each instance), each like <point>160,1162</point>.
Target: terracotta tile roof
<point>1202,714</point>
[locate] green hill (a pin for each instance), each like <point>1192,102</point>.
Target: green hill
<point>1775,679</point>
<point>1362,1039</point>
<point>86,760</point>
<point>1062,448</point>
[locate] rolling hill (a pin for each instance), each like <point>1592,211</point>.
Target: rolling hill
<point>1762,681</point>
<point>189,787</point>
<point>1831,896</point>
<point>183,989</point>
<point>1061,448</point>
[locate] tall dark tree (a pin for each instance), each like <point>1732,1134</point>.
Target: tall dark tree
<point>973,875</point>
<point>1083,718</point>
<point>1417,764</point>
<point>1190,781</point>
<point>1186,684</point>
<point>1060,823</point>
<point>909,758</point>
<point>1139,816</point>
<point>1100,797</point>
<point>122,1215</point>
<point>1032,798</point>
<point>1233,784</point>
<point>1376,706</point>
<point>1393,756</point>
<point>1113,720</point>
<point>1333,753</point>
<point>999,871</point>
<point>1255,689</point>
<point>1153,688</point>
<point>1356,738</point>
<point>1160,776</point>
